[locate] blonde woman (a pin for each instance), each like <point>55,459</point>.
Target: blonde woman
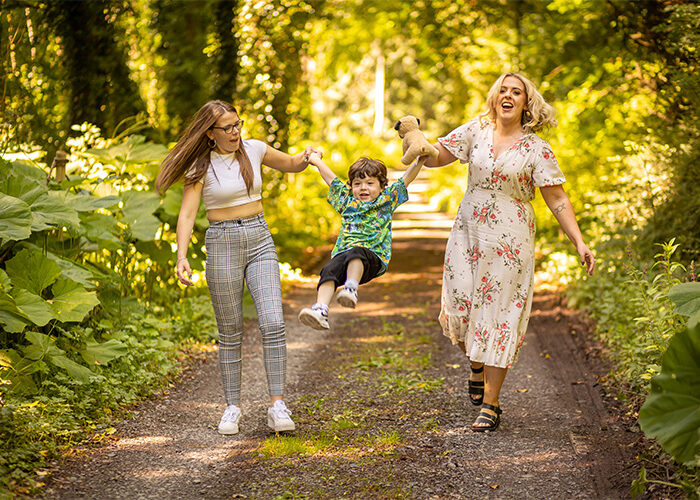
<point>489,260</point>
<point>223,170</point>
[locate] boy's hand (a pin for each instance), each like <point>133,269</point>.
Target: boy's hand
<point>314,158</point>
<point>309,151</point>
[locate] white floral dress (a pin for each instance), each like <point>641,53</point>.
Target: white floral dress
<point>489,260</point>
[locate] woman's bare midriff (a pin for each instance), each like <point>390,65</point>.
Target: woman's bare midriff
<point>237,212</point>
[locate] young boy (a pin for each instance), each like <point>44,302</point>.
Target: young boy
<point>363,248</point>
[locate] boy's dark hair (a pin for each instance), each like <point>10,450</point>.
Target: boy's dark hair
<point>368,167</point>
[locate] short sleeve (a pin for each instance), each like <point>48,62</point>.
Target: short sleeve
<point>459,141</point>
<point>546,171</point>
<point>398,193</point>
<point>338,195</point>
<point>256,150</point>
<point>190,174</point>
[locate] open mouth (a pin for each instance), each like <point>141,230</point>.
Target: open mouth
<point>507,105</point>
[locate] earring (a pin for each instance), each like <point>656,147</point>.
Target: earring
<point>528,114</point>
<point>211,143</point>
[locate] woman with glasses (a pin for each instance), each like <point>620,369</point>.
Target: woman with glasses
<point>223,170</point>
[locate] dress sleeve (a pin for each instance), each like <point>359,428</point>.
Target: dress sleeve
<point>546,170</point>
<point>338,195</point>
<point>459,141</point>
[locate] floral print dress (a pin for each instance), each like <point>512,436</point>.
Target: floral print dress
<point>489,260</point>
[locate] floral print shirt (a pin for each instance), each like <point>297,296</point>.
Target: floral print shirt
<point>366,224</point>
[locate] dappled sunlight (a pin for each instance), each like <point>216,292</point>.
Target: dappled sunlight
<point>144,441</point>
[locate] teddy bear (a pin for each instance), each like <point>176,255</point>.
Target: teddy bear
<point>414,142</point>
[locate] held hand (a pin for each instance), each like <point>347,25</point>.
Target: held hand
<point>184,273</point>
<point>587,258</point>
<point>308,152</point>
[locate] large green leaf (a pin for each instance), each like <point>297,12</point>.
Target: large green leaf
<point>102,229</point>
<point>686,296</point>
<point>671,412</point>
<point>74,271</point>
<point>21,169</point>
<point>11,319</point>
<point>24,188</point>
<point>87,202</point>
<point>33,307</point>
<point>102,353</point>
<point>40,345</point>
<point>30,270</point>
<point>75,370</point>
<point>51,211</point>
<point>15,218</point>
<point>71,302</point>
<point>138,213</point>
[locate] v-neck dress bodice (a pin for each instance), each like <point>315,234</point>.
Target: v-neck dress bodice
<point>488,275</point>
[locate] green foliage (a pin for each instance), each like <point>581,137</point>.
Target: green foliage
<point>634,316</point>
<point>671,412</point>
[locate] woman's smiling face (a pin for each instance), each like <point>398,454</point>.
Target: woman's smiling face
<point>512,99</point>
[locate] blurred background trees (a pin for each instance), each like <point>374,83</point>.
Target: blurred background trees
<point>622,74</point>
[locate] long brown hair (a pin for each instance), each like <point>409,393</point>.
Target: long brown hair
<point>192,150</point>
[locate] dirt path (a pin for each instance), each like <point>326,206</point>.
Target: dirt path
<point>381,411</point>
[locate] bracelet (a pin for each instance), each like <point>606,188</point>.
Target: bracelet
<point>182,258</point>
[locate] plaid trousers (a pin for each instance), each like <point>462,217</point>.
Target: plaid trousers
<point>238,251</point>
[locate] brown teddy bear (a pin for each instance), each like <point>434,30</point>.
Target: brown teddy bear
<point>414,142</point>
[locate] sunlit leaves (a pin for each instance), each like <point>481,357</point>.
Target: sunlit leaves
<point>138,213</point>
<point>30,270</point>
<point>71,302</point>
<point>15,218</point>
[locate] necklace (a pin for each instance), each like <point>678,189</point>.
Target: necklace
<point>229,165</point>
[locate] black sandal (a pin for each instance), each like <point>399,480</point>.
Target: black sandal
<point>487,418</point>
<point>476,388</point>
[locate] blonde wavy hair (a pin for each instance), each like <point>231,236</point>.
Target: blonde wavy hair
<point>539,114</point>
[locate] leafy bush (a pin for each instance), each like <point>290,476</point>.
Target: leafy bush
<point>634,317</point>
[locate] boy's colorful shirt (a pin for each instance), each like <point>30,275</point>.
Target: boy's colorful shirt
<point>366,224</point>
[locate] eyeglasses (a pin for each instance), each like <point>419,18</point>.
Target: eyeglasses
<point>228,129</point>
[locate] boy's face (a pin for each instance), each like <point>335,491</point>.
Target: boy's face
<point>366,188</point>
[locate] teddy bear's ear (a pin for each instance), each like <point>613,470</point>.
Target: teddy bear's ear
<point>398,124</point>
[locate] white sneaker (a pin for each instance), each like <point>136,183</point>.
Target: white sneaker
<point>229,422</point>
<point>278,417</point>
<point>347,297</point>
<point>314,318</point>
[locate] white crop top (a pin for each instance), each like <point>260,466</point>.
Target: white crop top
<point>224,186</point>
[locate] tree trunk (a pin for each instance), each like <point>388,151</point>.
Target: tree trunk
<point>100,87</point>
<point>226,79</point>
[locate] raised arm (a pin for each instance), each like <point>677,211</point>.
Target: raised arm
<point>323,169</point>
<point>560,205</point>
<point>285,162</point>
<point>412,171</point>
<point>444,158</point>
<point>185,223</point>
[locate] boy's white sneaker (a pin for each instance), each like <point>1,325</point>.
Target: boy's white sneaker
<point>278,417</point>
<point>229,422</point>
<point>314,318</point>
<point>347,297</point>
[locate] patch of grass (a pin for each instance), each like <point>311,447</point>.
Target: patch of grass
<point>400,382</point>
<point>285,446</point>
<point>431,424</point>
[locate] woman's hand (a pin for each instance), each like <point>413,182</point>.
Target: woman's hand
<point>309,151</point>
<point>586,256</point>
<point>184,273</point>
